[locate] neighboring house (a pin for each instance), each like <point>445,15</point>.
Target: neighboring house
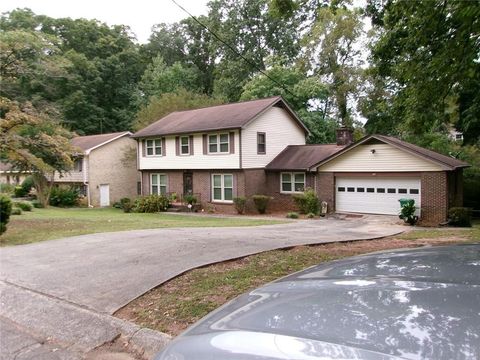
<point>258,147</point>
<point>103,169</point>
<point>8,175</point>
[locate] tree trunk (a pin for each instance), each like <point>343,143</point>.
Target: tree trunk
<point>43,185</point>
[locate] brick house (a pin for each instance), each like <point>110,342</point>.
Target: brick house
<point>102,168</point>
<point>259,147</point>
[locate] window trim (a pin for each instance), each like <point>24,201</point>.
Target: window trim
<point>292,182</point>
<point>182,145</point>
<point>222,188</point>
<point>264,152</point>
<point>159,185</point>
<point>154,147</point>
<point>218,143</point>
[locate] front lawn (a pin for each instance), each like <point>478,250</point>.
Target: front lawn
<point>178,303</point>
<point>54,223</point>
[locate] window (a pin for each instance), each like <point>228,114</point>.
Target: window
<point>381,190</point>
<point>370,190</point>
<point>414,191</point>
<point>184,145</point>
<point>222,187</point>
<point>78,165</point>
<point>261,143</point>
<point>219,143</point>
<point>360,189</point>
<point>341,189</point>
<point>292,182</point>
<point>350,189</point>
<point>158,184</point>
<point>402,191</point>
<point>391,191</point>
<point>154,147</point>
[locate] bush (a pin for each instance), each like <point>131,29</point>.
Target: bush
<point>7,188</point>
<point>151,204</point>
<point>292,215</point>
<point>64,196</point>
<point>307,202</point>
<point>19,191</point>
<point>25,206</point>
<point>261,203</point>
<point>126,205</point>
<point>240,204</point>
<point>407,213</point>
<point>37,204</point>
<point>27,184</point>
<point>16,211</point>
<point>310,215</point>
<point>190,199</point>
<point>5,211</point>
<point>460,216</point>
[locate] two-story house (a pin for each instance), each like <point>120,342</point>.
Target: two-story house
<point>103,169</point>
<point>259,147</point>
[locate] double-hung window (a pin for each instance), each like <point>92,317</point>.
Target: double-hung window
<point>261,143</point>
<point>222,187</point>
<point>154,147</point>
<point>185,145</point>
<point>158,184</point>
<point>219,143</point>
<point>292,182</point>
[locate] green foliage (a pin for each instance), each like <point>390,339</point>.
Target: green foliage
<point>24,205</point>
<point>126,205</point>
<point>64,196</point>
<point>19,191</point>
<point>37,204</point>
<point>7,188</point>
<point>190,199</point>
<point>5,211</point>
<point>292,215</point>
<point>407,212</point>
<point>240,204</point>
<point>307,202</point>
<point>28,184</point>
<point>261,203</point>
<point>311,215</point>
<point>16,211</point>
<point>460,216</point>
<point>151,204</point>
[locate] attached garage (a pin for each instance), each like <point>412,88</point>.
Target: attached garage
<point>377,195</point>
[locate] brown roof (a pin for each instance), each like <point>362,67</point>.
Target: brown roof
<point>220,117</point>
<point>5,166</point>
<point>447,162</point>
<point>302,157</point>
<point>86,143</point>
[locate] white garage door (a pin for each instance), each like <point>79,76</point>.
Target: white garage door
<point>375,195</point>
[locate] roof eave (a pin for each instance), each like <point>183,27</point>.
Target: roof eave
<point>135,136</point>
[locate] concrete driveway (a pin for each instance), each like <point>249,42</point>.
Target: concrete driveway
<point>100,273</point>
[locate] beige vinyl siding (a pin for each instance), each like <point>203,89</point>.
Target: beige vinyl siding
<point>193,162</point>
<point>74,176</point>
<point>280,130</point>
<point>386,158</point>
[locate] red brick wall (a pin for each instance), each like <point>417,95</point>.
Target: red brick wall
<point>326,189</point>
<point>434,198</point>
<point>283,202</point>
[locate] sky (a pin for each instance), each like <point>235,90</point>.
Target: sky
<point>140,15</point>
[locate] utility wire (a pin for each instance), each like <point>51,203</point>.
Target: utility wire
<point>248,61</point>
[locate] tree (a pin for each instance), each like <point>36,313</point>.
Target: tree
<point>160,106</point>
<point>32,141</point>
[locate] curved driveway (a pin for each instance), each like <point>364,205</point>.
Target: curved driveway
<point>105,271</point>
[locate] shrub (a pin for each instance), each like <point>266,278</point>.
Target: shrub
<point>261,203</point>
<point>24,205</point>
<point>460,216</point>
<point>27,184</point>
<point>7,188</point>
<point>310,215</point>
<point>240,204</point>
<point>37,204</point>
<point>19,191</point>
<point>190,199</point>
<point>126,205</point>
<point>151,204</point>
<point>64,196</point>
<point>407,213</point>
<point>16,211</point>
<point>307,202</point>
<point>292,215</point>
<point>5,211</point>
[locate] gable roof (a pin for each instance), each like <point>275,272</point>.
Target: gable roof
<point>302,157</point>
<point>446,162</point>
<point>90,142</point>
<point>220,117</point>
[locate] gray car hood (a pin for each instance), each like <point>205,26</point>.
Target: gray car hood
<point>414,304</point>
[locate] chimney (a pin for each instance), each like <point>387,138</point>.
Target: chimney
<point>344,136</point>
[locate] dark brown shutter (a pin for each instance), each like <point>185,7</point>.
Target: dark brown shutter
<point>232,143</point>
<point>205,144</point>
<point>190,139</point>
<point>177,145</point>
<point>164,147</point>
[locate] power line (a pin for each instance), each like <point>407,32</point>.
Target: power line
<point>248,61</point>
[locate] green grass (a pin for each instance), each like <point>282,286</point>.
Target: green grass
<point>472,233</point>
<point>54,223</point>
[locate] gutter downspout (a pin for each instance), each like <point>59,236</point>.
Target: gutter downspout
<point>85,180</point>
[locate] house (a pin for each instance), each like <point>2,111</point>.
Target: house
<point>104,168</point>
<point>11,176</point>
<point>259,147</point>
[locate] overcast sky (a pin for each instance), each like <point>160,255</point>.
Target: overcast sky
<point>140,15</point>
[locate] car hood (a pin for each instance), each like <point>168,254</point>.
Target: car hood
<point>420,304</point>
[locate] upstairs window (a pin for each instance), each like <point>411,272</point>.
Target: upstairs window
<point>78,165</point>
<point>219,143</point>
<point>153,147</point>
<point>292,182</point>
<point>261,143</point>
<point>184,145</point>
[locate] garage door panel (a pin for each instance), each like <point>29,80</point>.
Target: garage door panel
<point>375,195</point>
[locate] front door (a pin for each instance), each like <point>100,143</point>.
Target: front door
<point>104,195</point>
<point>187,183</point>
